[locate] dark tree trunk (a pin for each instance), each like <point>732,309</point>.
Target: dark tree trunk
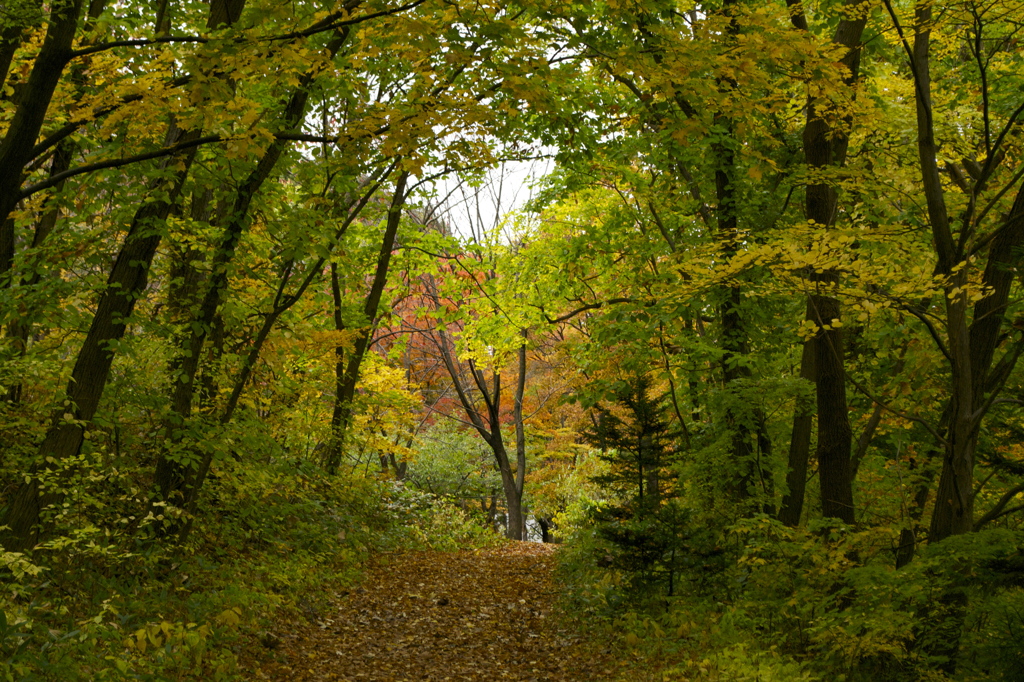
<point>971,346</point>
<point>974,380</point>
<point>546,528</point>
<point>834,434</point>
<point>346,380</point>
<point>127,281</point>
<point>746,424</point>
<point>516,526</point>
<point>17,144</point>
<point>908,536</point>
<point>128,278</point>
<point>20,328</point>
<point>825,147</point>
<point>178,482</point>
<point>792,506</point>
<point>520,426</point>
<point>335,443</point>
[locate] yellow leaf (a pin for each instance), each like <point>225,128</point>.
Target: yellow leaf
<point>230,617</point>
<point>153,633</point>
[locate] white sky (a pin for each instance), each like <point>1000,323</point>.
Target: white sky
<point>473,211</point>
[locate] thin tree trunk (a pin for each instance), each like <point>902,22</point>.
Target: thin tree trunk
<point>127,281</point>
<point>792,506</point>
<point>16,146</point>
<point>20,328</point>
<point>835,437</point>
<point>176,480</point>
<point>517,417</point>
<point>746,424</point>
<point>908,536</point>
<point>520,439</point>
<point>971,346</point>
<point>346,382</point>
<point>864,442</point>
<point>335,446</point>
<point>487,422</point>
<point>515,526</point>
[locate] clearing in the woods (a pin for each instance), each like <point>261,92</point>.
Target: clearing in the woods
<point>471,615</point>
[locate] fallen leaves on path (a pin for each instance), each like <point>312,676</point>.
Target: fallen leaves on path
<point>473,615</point>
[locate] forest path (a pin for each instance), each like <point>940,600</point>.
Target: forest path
<point>471,615</point>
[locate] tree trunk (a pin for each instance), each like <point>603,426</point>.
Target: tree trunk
<point>520,425</point>
<point>834,434</point>
<point>346,381</point>
<point>20,328</point>
<point>127,281</point>
<point>791,509</point>
<point>516,526</point>
<point>335,446</point>
<point>971,346</point>
<point>174,479</point>
<point>487,422</point>
<point>733,336</point>
<point>17,144</point>
<point>825,147</point>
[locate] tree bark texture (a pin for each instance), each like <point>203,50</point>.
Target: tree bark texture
<point>825,146</point>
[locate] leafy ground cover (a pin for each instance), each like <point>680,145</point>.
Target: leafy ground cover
<point>483,614</point>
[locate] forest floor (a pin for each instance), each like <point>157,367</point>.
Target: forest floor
<point>472,615</point>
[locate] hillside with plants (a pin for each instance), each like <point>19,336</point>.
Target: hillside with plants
<point>630,340</point>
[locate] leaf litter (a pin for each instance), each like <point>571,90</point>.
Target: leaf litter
<point>470,615</point>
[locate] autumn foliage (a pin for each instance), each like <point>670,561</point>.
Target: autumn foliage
<point>274,303</point>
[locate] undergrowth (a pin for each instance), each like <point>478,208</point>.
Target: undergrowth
<point>105,599</point>
<point>779,604</point>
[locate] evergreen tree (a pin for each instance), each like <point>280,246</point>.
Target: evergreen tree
<point>638,448</point>
<point>645,528</point>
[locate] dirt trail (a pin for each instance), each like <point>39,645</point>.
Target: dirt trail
<point>475,615</point>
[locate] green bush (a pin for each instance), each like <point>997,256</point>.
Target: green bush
<point>433,522</point>
<point>104,598</point>
<point>780,603</point>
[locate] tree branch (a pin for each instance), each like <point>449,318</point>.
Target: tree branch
<point>998,510</point>
<point>585,308</point>
<point>115,163</point>
<point>899,413</point>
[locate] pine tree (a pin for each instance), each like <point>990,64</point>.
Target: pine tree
<point>638,448</point>
<point>643,527</point>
